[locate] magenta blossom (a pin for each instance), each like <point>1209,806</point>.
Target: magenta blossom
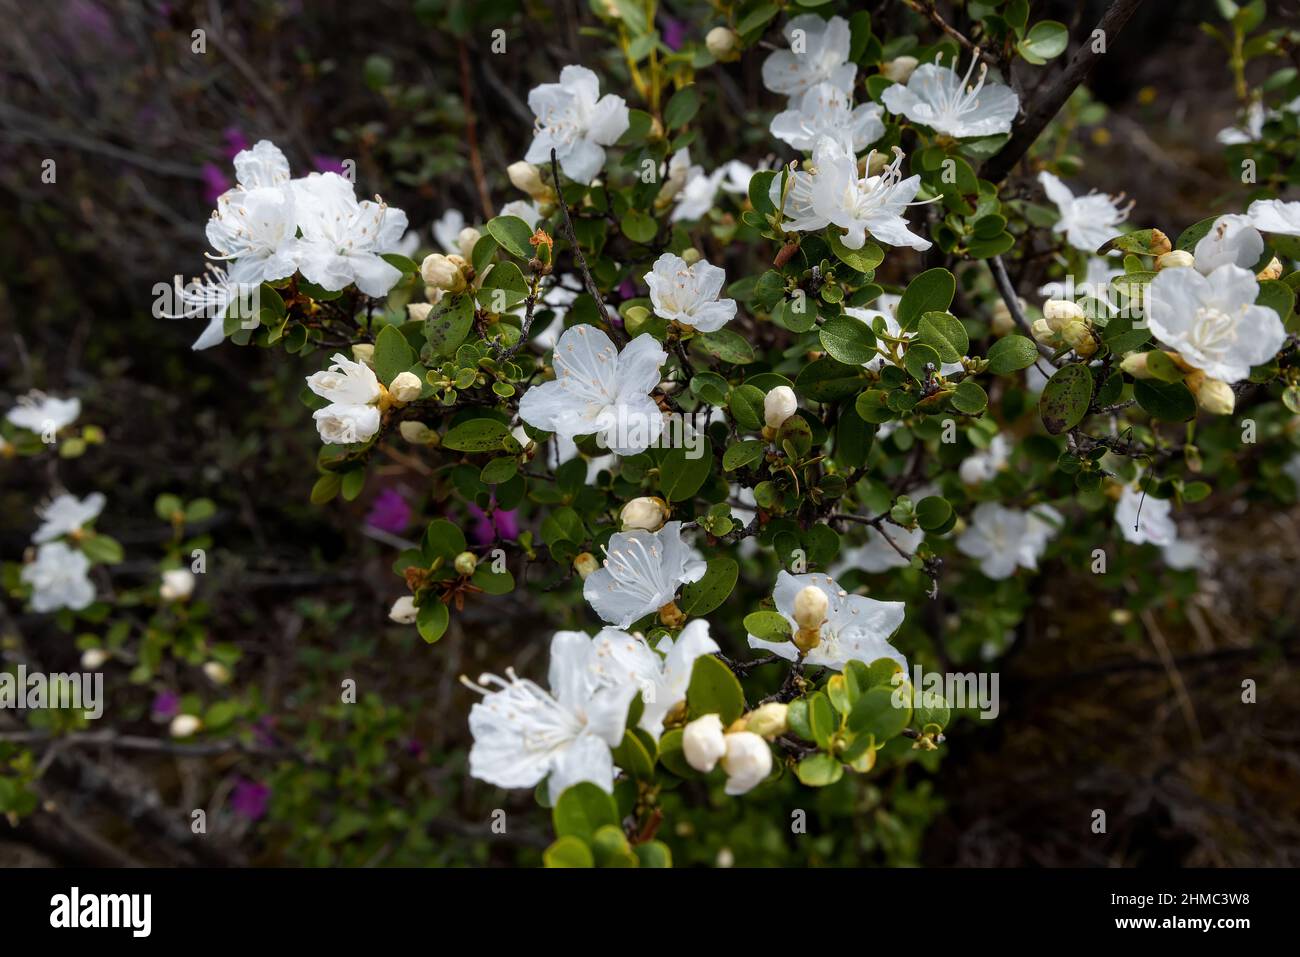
<point>215,182</point>
<point>389,512</point>
<point>166,705</point>
<point>329,164</point>
<point>250,798</point>
<point>236,141</point>
<point>674,33</point>
<point>493,525</point>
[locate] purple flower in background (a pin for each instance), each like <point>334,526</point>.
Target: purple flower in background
<point>264,733</point>
<point>674,34</point>
<point>627,289</point>
<point>329,164</point>
<point>389,512</point>
<point>166,705</point>
<point>415,747</point>
<point>236,141</point>
<point>250,798</point>
<point>215,182</point>
<point>493,524</point>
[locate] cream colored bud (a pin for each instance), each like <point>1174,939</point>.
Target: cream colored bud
<point>770,720</point>
<point>416,312</point>
<point>876,162</point>
<point>433,295</point>
<point>177,584</point>
<point>1058,312</point>
<point>92,659</point>
<point>1078,336</point>
<point>417,433</point>
<point>443,272</point>
<point>585,564</point>
<point>899,69</point>
<point>1177,259</point>
<point>465,242</point>
<point>1043,332</point>
<point>406,387</point>
<point>647,512</point>
<point>1216,397</point>
<point>779,405</point>
<point>1160,243</point>
<point>216,672</point>
<point>404,611</point>
<point>184,725</point>
<point>1003,323</point>
<point>364,352</point>
<point>810,607</point>
<point>703,744</point>
<point>691,256</point>
<point>528,179</point>
<point>723,43</point>
<point>1272,271</point>
<point>1135,364</point>
<point>748,762</point>
<point>465,563</point>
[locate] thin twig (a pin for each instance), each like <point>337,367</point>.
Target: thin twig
<point>1009,296</point>
<point>587,281</point>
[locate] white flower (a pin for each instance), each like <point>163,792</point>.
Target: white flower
<point>689,294</point>
<point>778,406</point>
<point>177,584</point>
<point>523,733</point>
<point>736,176</point>
<point>876,555</point>
<point>836,194</point>
<point>984,465</point>
<point>92,659</point>
<point>256,229</point>
<point>342,239</point>
<point>346,382</point>
<point>1232,239</point>
<point>856,627</point>
<point>66,515</point>
<point>1145,520</point>
<point>524,209</point>
<point>1088,221</point>
<point>404,611</point>
<point>748,762</point>
<point>346,424</point>
<point>599,390</point>
<point>1183,556</point>
<point>692,189</point>
<point>59,578</point>
<point>826,110</point>
<point>1096,283</point>
<point>1212,322</point>
<point>703,744</point>
<point>209,297</point>
<point>935,96</point>
<point>641,574</point>
<point>661,676</point>
<point>263,165</point>
<point>40,413</point>
<point>1250,130</point>
<point>1275,216</point>
<point>1003,538</point>
<point>819,53</point>
<point>446,230</point>
<point>576,121</point>
<point>184,725</point>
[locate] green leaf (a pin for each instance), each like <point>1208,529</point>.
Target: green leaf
<point>681,108</point>
<point>944,333</point>
<point>611,848</point>
<point>562,525</point>
<point>681,475</point>
<point>917,357</point>
<point>499,470</point>
<point>1012,353</point>
<point>819,770</point>
<point>714,690</point>
<point>582,810</point>
<point>746,406</point>
<point>1045,40</point>
<point>1065,398</point>
<point>969,397</point>
<point>876,715</point>
<point>326,487</point>
<point>654,854</point>
<point>768,626</point>
<point>393,355</point>
<point>1166,401</point>
<point>701,597</point>
<point>931,291</point>
<point>639,227</point>
<point>742,454</point>
<point>726,345</point>
<point>443,540</point>
<point>503,288</point>
<point>631,755</point>
<point>826,380</point>
<point>1145,242</point>
<point>864,260</point>
<point>449,323</point>
<point>568,852</point>
<point>933,512</point>
<point>476,435</point>
<point>1276,295</point>
<point>821,719</point>
<point>848,340</point>
<point>512,233</point>
<point>432,619</point>
<point>102,549</point>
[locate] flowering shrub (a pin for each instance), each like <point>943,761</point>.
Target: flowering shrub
<point>737,430</point>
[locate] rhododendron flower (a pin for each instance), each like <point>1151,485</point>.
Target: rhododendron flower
<point>59,578</point>
<point>836,194</point>
<point>525,209</point>
<point>748,762</point>
<point>1250,130</point>
<point>446,230</point>
<point>1088,221</point>
<point>1275,216</point>
<point>876,555</point>
<point>935,96</point>
<point>1231,240</point>
<point>67,515</point>
<point>1003,539</point>
<point>1212,321</point>
<point>691,189</point>
<point>689,294</point>
<point>263,165</point>
<point>351,388</point>
<point>576,121</point>
<point>819,53</point>
<point>38,412</point>
<point>1145,520</point>
<point>342,239</point>
<point>599,390</point>
<point>856,628</point>
<point>641,574</point>
<point>736,175</point>
<point>209,297</point>
<point>255,224</point>
<point>826,110</point>
<point>661,675</point>
<point>523,733</point>
<point>985,464</point>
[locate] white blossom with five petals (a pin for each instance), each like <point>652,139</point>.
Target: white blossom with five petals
<point>1003,539</point>
<point>826,110</point>
<point>689,294</point>
<point>937,97</point>
<point>576,121</point>
<point>1088,221</point>
<point>641,574</point>
<point>59,578</point>
<point>67,515</point>
<point>819,53</point>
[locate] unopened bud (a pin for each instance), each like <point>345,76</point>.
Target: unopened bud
<point>1043,332</point>
<point>1160,243</point>
<point>1058,312</point>
<point>1078,336</point>
<point>1215,396</point>
<point>723,43</point>
<point>416,312</point>
<point>526,178</point>
<point>809,612</point>
<point>443,272</point>
<point>779,405</point>
<point>585,564</point>
<point>92,659</point>
<point>406,387</point>
<point>1003,323</point>
<point>364,352</point>
<point>465,242</point>
<point>216,672</point>
<point>647,512</point>
<point>1272,271</point>
<point>184,725</point>
<point>1177,259</point>
<point>899,69</point>
<point>1135,364</point>
<point>703,744</point>
<point>691,256</point>
<point>770,720</point>
<point>417,433</point>
<point>465,563</point>
<point>403,611</point>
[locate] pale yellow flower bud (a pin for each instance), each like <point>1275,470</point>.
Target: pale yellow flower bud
<point>466,240</point>
<point>723,43</point>
<point>585,564</point>
<point>1135,364</point>
<point>443,272</point>
<point>1058,312</point>
<point>216,672</point>
<point>810,607</point>
<point>406,388</point>
<point>92,659</point>
<point>417,433</point>
<point>364,352</point>
<point>526,178</point>
<point>770,720</point>
<point>1178,259</point>
<point>184,725</point>
<point>1043,332</point>
<point>415,311</point>
<point>465,563</point>
<point>1215,396</point>
<point>779,405</point>
<point>648,512</point>
<point>404,611</point>
<point>1272,271</point>
<point>899,69</point>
